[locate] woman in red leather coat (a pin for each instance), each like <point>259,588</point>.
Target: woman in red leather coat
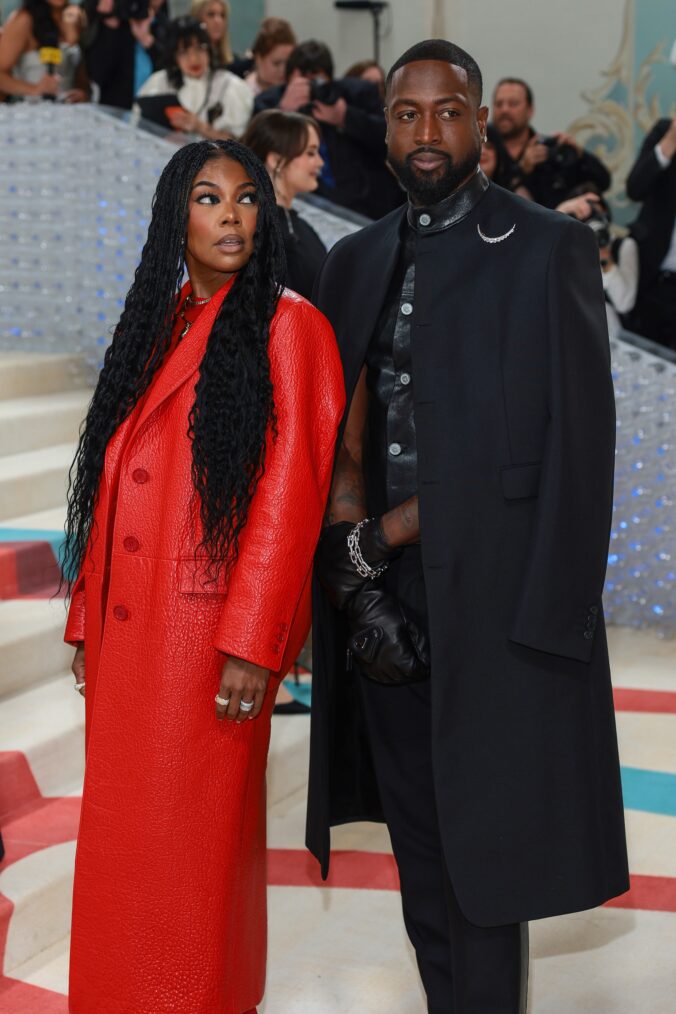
<point>199,487</point>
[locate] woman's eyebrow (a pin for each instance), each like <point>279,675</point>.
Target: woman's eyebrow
<point>205,183</point>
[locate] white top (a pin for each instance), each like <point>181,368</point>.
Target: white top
<point>621,283</point>
<point>199,94</point>
<point>31,69</point>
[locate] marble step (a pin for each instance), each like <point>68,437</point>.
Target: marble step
<point>31,645</point>
<point>27,424</point>
<point>34,480</point>
<point>25,374</point>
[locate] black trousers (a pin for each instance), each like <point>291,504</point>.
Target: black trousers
<point>465,969</point>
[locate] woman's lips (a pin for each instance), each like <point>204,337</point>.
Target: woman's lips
<point>230,243</point>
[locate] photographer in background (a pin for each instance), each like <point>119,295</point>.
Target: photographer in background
<point>546,168</point>
<point>619,257</point>
<point>350,112</point>
<point>123,45</point>
<point>653,181</point>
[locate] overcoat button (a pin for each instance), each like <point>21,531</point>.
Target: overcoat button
<point>593,610</point>
<point>121,613</point>
<point>131,544</point>
<point>589,634</point>
<point>140,475</point>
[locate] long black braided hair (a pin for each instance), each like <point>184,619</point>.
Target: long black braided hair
<point>234,404</point>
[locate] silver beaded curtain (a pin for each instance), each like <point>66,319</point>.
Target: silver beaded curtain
<point>75,191</point>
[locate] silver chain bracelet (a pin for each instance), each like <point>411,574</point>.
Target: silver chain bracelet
<point>356,556</point>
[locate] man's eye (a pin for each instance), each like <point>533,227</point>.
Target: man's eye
<point>207,199</point>
<point>449,114</point>
<point>407,117</point>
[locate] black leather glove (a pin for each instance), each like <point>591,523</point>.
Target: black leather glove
<point>387,646</point>
<point>335,569</point>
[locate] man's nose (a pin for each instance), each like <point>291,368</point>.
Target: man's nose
<point>428,129</point>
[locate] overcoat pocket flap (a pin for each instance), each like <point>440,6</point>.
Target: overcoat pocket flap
<point>519,482</point>
<point>194,579</point>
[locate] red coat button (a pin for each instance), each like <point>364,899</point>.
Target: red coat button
<point>140,475</point>
<point>121,613</point>
<point>131,544</point>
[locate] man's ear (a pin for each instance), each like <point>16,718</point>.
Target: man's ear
<point>482,119</point>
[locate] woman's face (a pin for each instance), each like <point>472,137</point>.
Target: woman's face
<point>271,69</point>
<point>223,210</point>
<point>57,4</point>
<point>215,20</point>
<point>489,159</point>
<point>301,174</point>
<point>192,58</point>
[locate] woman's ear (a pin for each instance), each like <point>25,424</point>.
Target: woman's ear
<point>273,163</point>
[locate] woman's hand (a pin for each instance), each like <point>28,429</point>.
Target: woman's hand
<point>241,682</point>
<point>78,666</point>
<point>47,85</point>
<point>182,119</point>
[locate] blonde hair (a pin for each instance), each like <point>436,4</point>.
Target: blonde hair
<point>224,50</point>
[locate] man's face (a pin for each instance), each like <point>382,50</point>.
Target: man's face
<point>434,129</point>
<point>511,109</point>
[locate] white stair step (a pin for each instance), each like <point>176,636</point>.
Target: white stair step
<point>46,724</point>
<point>40,888</point>
<point>27,424</point>
<point>23,374</point>
<point>51,520</point>
<point>289,757</point>
<point>31,645</point>
<point>34,480</point>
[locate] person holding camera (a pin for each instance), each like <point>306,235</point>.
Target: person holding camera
<point>123,45</point>
<point>201,99</point>
<point>544,168</point>
<point>39,53</point>
<point>351,116</point>
<point>652,180</point>
<point>619,257</point>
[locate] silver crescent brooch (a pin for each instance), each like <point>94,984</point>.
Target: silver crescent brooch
<point>495,239</point>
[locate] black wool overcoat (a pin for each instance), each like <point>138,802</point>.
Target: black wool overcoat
<point>515,425</point>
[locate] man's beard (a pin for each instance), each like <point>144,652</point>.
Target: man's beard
<point>433,186</point>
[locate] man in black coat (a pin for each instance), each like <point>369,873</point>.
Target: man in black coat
<point>479,440</point>
<point>653,181</point>
<point>350,112</point>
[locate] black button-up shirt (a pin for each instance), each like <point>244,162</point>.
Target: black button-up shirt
<point>390,452</point>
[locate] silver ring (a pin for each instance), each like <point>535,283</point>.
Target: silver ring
<point>79,686</point>
<point>223,701</point>
<point>246,705</point>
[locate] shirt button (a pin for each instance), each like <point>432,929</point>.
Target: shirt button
<point>131,544</point>
<point>406,309</point>
<point>121,613</point>
<point>588,634</point>
<point>405,378</point>
<point>395,449</point>
<point>140,475</point>
<point>424,219</point>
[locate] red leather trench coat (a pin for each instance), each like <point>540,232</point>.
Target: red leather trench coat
<point>169,910</point>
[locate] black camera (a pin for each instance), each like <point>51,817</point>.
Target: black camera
<point>131,10</point>
<point>324,91</point>
<point>599,223</point>
<point>563,156</point>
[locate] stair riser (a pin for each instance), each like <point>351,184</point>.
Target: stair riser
<point>42,376</point>
<point>31,659</point>
<point>39,920</point>
<point>31,432</point>
<point>26,494</point>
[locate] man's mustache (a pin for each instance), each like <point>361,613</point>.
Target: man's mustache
<point>428,151</point>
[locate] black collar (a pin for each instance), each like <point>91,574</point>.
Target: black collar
<point>451,210</point>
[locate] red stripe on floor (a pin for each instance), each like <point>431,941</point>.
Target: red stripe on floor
<point>650,894</point>
<point>20,998</point>
<point>661,702</point>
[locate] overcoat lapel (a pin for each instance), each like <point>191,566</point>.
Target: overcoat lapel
<point>364,303</point>
<point>184,361</point>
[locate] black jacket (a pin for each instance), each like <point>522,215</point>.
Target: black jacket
<point>515,428</point>
<point>305,252</point>
<point>110,54</point>
<point>357,153</point>
<point>656,187</point>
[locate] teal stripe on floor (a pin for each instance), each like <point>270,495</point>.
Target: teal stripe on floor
<point>649,791</point>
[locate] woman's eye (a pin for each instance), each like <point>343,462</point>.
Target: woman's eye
<point>248,198</point>
<point>207,199</point>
